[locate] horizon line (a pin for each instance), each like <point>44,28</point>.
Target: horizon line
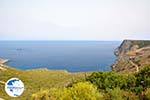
<point>69,40</point>
<point>61,40</point>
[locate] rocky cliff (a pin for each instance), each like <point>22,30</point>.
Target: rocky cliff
<point>2,62</point>
<point>132,55</point>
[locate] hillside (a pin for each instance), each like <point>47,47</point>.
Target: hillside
<point>37,79</point>
<point>102,85</point>
<point>132,55</point>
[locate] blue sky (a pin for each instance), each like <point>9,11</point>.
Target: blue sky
<point>74,19</point>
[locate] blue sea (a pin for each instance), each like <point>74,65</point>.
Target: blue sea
<point>73,56</point>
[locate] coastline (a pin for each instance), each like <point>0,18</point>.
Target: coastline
<point>3,61</point>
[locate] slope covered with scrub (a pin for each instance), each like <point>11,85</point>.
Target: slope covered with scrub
<point>36,80</point>
<point>103,86</point>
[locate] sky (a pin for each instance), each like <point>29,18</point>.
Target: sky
<point>74,19</point>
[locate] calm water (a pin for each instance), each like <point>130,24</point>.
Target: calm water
<point>73,56</point>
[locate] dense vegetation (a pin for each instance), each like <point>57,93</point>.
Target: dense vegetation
<point>79,91</point>
<point>103,86</point>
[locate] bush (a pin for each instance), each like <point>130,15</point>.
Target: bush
<point>143,77</point>
<point>42,95</point>
<point>147,94</point>
<point>79,91</point>
<point>111,80</point>
<point>117,94</point>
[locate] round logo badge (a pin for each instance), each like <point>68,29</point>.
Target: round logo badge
<point>14,87</point>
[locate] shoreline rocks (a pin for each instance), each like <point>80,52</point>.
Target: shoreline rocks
<point>3,61</point>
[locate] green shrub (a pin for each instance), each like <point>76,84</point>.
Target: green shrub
<point>118,94</point>
<point>79,91</point>
<point>147,94</point>
<point>111,80</point>
<point>114,94</point>
<point>143,77</point>
<point>42,95</point>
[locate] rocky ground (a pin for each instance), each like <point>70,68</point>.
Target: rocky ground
<point>131,56</point>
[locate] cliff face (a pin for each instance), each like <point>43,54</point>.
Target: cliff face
<point>131,45</point>
<point>132,55</point>
<point>123,48</point>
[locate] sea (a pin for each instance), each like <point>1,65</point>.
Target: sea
<point>73,56</point>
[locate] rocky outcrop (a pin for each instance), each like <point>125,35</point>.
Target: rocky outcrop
<point>2,62</point>
<point>132,55</point>
<point>123,48</point>
<point>131,45</point>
